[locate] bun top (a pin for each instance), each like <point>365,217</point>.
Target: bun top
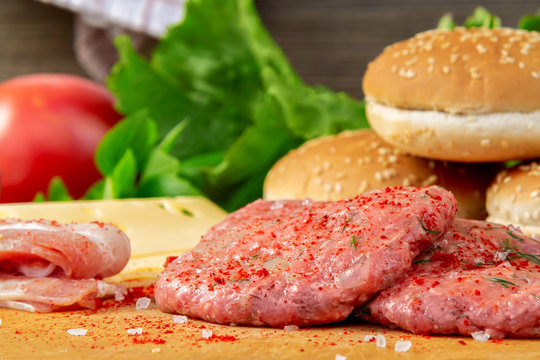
<point>353,162</point>
<point>514,197</point>
<point>459,71</point>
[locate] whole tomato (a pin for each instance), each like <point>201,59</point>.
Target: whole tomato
<point>50,125</point>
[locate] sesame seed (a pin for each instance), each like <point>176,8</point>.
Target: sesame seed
<point>411,61</point>
<point>407,73</point>
<point>481,49</point>
<point>332,149</point>
<point>394,68</point>
<point>519,188</point>
<point>338,188</point>
<point>445,45</point>
<point>430,69</point>
<point>431,60</point>
<point>521,65</point>
<point>535,194</point>
<point>465,57</point>
<point>535,74</point>
<point>454,58</point>
<point>446,70</point>
<point>507,179</point>
<point>327,187</point>
<point>485,142</point>
<point>432,179</point>
<point>347,160</point>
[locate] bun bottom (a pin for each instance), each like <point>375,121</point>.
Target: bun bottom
<point>453,137</point>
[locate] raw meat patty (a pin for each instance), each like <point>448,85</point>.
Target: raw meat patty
<point>302,262</point>
<point>477,277</point>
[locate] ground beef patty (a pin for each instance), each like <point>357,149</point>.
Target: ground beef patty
<point>302,262</point>
<point>477,277</point>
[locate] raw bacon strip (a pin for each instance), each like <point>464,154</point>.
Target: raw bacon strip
<point>46,265</point>
<point>478,277</point>
<point>302,262</point>
<point>79,251</point>
<point>49,294</point>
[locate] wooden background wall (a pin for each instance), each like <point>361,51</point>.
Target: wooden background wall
<point>328,41</point>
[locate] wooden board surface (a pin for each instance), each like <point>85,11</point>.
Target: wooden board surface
<point>44,336</point>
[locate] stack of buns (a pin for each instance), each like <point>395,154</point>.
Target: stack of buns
<point>446,107</point>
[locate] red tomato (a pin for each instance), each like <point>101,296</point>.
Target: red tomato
<point>50,125</point>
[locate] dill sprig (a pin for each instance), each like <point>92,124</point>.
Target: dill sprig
<point>429,231</point>
<point>504,283</point>
<point>354,243</point>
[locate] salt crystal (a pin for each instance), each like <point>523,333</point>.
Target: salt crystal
<point>402,346</point>
<point>340,357</point>
<point>369,338</point>
<point>290,327</point>
<point>142,303</point>
<point>207,334</point>
<point>77,332</point>
<point>180,319</point>
<point>135,331</point>
<point>480,336</point>
<point>381,340</point>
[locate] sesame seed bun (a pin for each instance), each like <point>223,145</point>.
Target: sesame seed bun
<point>353,162</point>
<point>470,95</point>
<point>514,198</point>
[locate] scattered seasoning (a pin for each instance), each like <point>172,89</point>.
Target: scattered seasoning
<point>77,332</point>
<point>346,223</point>
<point>290,328</point>
<point>180,319</point>
<point>369,338</point>
<point>299,255</point>
<point>503,282</point>
<point>462,342</point>
<point>480,336</point>
<point>380,340</point>
<point>421,220</point>
<point>142,303</point>
<point>533,295</point>
<point>354,243</point>
<point>207,334</point>
<point>402,346</point>
<point>135,331</point>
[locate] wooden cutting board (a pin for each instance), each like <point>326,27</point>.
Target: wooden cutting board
<point>162,227</point>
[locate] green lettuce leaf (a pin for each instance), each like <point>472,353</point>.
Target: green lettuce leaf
<point>241,105</point>
<point>530,22</point>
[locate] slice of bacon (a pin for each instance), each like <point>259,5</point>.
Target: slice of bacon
<point>46,265</point>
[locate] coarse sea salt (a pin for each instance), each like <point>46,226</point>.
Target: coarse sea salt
<point>480,336</point>
<point>380,340</point>
<point>340,357</point>
<point>290,327</point>
<point>369,338</point>
<point>142,303</point>
<point>402,346</point>
<point>134,331</point>
<point>180,319</point>
<point>207,334</point>
<point>77,332</point>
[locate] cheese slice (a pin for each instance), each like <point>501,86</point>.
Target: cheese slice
<point>157,228</point>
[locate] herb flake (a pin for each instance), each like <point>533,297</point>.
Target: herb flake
<point>504,283</point>
<point>354,243</point>
<point>429,231</point>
